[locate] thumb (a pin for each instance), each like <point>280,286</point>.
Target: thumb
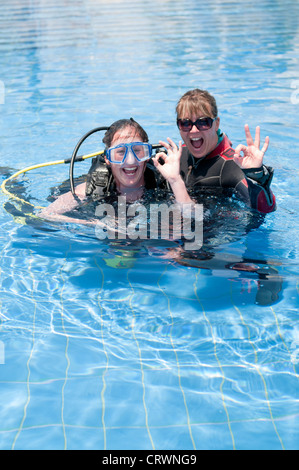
<point>240,148</point>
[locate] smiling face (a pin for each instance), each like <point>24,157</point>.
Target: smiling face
<point>200,143</point>
<point>196,104</point>
<point>128,176</point>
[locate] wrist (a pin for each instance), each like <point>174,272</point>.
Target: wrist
<point>179,190</point>
<point>175,181</point>
<point>262,175</point>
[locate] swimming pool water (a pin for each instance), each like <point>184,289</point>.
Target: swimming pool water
<point>128,346</point>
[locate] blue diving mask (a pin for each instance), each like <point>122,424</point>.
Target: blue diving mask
<point>118,154</point>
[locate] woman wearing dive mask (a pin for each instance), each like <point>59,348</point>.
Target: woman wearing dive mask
<point>127,155</point>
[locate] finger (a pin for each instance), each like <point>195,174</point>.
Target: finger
<point>161,154</point>
<point>161,158</point>
<point>155,162</point>
<point>249,139</point>
<point>240,148</point>
<point>179,150</point>
<point>172,145</point>
<point>266,145</point>
<point>257,140</point>
<point>171,141</point>
<point>164,144</point>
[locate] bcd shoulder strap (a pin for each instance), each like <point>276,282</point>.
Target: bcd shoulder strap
<point>98,178</point>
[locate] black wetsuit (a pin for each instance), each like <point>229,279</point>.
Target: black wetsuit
<point>218,170</point>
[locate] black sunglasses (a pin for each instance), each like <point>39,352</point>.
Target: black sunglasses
<point>202,124</point>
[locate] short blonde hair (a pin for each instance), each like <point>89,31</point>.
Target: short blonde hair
<point>194,102</point>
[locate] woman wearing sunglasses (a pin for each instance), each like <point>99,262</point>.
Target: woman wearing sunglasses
<point>127,170</point>
<point>208,160</point>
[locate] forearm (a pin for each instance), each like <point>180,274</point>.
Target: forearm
<point>258,196</point>
<point>55,217</point>
<point>180,191</point>
<point>63,204</point>
<point>259,181</point>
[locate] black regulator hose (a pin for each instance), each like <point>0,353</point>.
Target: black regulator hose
<point>79,159</point>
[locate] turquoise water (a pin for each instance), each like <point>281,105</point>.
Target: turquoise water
<point>128,346</point>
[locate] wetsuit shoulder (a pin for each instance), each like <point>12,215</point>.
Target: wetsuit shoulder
<point>216,169</point>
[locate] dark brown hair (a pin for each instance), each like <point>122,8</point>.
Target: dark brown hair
<point>194,102</point>
<point>122,124</point>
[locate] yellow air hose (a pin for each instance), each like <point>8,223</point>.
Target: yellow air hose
<point>70,161</point>
<point>34,167</point>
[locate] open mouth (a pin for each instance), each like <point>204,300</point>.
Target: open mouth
<point>130,171</point>
<point>197,142</point>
